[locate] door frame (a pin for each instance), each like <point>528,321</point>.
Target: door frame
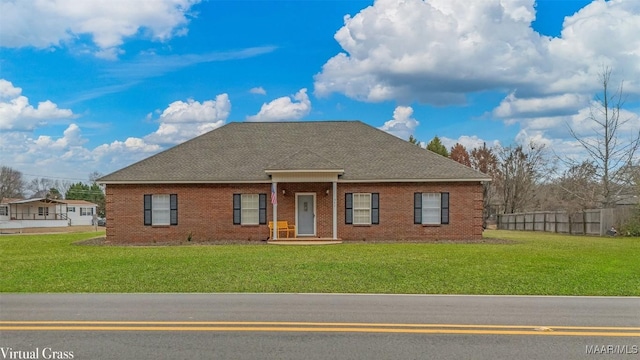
<point>315,203</point>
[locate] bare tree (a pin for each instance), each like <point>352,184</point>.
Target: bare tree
<point>578,188</point>
<point>40,187</point>
<point>606,150</point>
<point>11,183</point>
<point>520,171</point>
<point>485,160</point>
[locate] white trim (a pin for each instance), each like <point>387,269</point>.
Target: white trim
<point>434,209</point>
<point>124,182</point>
<point>244,196</point>
<point>353,208</point>
<point>315,204</point>
<point>335,210</point>
<point>413,180</point>
<point>269,181</point>
<point>275,212</point>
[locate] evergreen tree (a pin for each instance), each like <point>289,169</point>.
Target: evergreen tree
<point>436,146</point>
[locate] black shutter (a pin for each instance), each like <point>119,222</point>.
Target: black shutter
<point>375,208</point>
<point>173,207</point>
<point>236,209</point>
<point>444,208</point>
<point>348,208</point>
<point>262,198</point>
<point>147,210</point>
<point>417,208</point>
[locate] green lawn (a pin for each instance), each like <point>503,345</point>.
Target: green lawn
<point>533,263</point>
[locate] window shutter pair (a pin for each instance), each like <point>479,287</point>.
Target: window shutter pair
<point>237,209</point>
<point>173,209</point>
<point>375,208</point>
<point>444,208</point>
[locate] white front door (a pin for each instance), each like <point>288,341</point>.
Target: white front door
<point>306,214</point>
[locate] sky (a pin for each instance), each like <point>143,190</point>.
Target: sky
<point>96,85</point>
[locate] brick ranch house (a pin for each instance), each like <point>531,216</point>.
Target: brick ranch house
<point>332,180</point>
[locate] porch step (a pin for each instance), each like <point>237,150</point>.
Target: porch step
<point>304,241</point>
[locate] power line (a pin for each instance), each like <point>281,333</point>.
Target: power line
<point>55,177</point>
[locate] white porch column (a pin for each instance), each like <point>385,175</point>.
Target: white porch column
<point>274,194</point>
<point>334,192</point>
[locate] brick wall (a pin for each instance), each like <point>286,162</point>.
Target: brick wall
<point>205,212</point>
<point>396,212</point>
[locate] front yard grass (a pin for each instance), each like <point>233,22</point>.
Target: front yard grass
<point>530,264</point>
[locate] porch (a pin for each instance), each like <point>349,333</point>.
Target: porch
<point>309,210</point>
<point>34,213</point>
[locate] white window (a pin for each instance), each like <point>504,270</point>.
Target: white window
<point>43,211</point>
<point>250,209</point>
<point>161,209</point>
<point>86,211</point>
<point>431,208</point>
<point>362,209</point>
<point>4,211</point>
<point>71,209</point>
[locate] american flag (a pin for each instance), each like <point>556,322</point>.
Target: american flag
<point>274,197</point>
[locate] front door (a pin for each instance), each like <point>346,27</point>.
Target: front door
<point>306,214</point>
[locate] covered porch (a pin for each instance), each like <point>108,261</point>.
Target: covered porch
<point>40,212</point>
<point>304,198</point>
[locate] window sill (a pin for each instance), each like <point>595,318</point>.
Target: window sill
<point>431,225</point>
<point>249,225</point>
<point>361,225</point>
<point>160,226</point>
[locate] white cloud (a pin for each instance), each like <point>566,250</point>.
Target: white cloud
<point>284,108</point>
<point>71,137</point>
<point>258,90</point>
<point>433,51</point>
<point>68,154</point>
<point>17,114</point>
<point>513,107</point>
<point>43,24</point>
<point>402,125</point>
<point>469,142</point>
<point>181,120</point>
<point>438,51</point>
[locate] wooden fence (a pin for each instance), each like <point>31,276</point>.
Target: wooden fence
<point>588,222</point>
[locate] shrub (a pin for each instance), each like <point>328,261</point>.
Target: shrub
<point>632,226</point>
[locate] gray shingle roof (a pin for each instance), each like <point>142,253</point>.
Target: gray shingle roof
<point>304,159</point>
<point>243,151</point>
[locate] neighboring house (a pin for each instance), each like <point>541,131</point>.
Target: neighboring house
<point>43,212</point>
<point>80,212</point>
<point>333,180</point>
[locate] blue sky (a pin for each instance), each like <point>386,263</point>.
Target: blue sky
<point>97,85</point>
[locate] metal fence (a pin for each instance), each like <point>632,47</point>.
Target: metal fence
<point>588,222</point>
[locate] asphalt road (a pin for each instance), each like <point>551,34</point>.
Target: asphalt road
<point>307,326</point>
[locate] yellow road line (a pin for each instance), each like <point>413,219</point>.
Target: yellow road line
<point>317,327</point>
<point>296,323</point>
